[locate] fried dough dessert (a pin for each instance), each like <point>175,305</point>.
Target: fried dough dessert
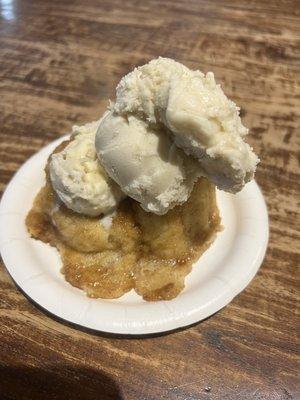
<point>149,253</point>
<point>130,199</point>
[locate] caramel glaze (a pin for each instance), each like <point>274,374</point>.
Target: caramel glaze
<point>142,251</point>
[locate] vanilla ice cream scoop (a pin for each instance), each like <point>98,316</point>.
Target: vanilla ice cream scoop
<point>145,162</point>
<point>78,178</point>
<point>201,119</point>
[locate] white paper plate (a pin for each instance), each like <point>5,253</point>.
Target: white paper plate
<point>222,272</point>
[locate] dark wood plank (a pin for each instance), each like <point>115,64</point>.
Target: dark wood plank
<point>59,63</point>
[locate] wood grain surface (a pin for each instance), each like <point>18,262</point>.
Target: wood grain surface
<point>59,63</point>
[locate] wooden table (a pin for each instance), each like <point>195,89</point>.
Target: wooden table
<point>59,64</point>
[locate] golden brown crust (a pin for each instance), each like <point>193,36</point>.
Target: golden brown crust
<point>142,251</point>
